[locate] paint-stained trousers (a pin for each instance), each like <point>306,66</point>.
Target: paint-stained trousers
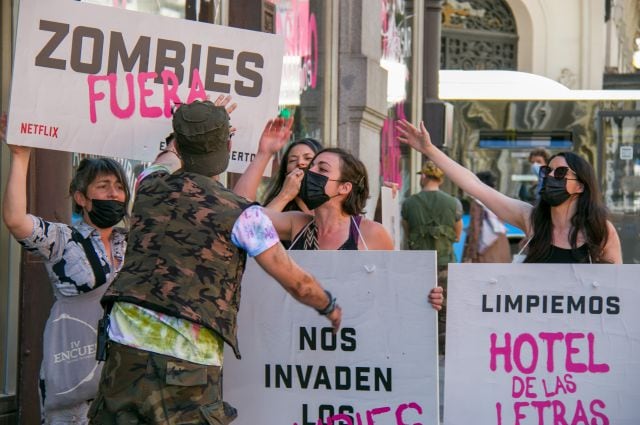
<point>140,387</point>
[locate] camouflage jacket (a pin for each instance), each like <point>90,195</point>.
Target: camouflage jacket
<point>180,259</point>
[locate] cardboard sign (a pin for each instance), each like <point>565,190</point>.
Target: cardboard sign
<point>543,344</point>
<point>103,80</point>
<point>381,366</point>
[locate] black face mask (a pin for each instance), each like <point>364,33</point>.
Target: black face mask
<point>553,191</point>
<point>312,189</point>
<point>106,213</point>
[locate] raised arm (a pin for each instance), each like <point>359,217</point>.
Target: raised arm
<point>508,209</point>
<point>274,136</point>
<point>297,282</point>
<point>14,204</point>
<point>286,222</point>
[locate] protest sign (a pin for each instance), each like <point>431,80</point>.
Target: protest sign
<point>543,344</point>
<point>103,80</point>
<point>391,214</point>
<point>380,367</point>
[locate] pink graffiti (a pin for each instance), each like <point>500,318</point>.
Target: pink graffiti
<point>300,30</point>
<point>169,93</point>
<point>391,155</point>
<point>345,419</point>
<point>511,352</point>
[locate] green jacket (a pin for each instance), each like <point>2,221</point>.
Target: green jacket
<point>431,216</point>
<point>180,260</point>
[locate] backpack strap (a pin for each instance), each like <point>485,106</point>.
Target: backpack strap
<point>98,271</point>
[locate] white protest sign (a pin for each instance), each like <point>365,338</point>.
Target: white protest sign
<point>103,80</point>
<point>380,367</point>
<point>391,214</point>
<point>543,344</point>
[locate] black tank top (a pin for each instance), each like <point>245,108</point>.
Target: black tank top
<point>309,239</point>
<point>572,256</point>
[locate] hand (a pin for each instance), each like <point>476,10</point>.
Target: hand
<point>419,140</point>
<point>15,150</point>
<point>223,100</point>
<point>275,135</point>
<point>291,187</point>
<point>335,317</point>
<point>436,298</point>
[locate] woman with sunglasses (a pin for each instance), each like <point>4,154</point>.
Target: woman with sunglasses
<point>567,225</point>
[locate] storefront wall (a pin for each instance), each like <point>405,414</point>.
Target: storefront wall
<point>334,85</point>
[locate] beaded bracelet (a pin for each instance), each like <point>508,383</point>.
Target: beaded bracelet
<point>330,307</point>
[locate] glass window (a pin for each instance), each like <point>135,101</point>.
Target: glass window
<point>396,34</point>
<point>301,22</point>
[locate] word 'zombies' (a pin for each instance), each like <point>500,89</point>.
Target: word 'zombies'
<point>106,57</point>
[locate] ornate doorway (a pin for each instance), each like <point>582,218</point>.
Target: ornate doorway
<point>477,35</point>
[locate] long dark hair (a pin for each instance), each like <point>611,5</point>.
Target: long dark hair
<point>275,186</point>
<point>89,169</point>
<point>354,171</point>
<point>590,217</point>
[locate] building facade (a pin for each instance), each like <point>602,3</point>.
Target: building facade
<point>351,68</point>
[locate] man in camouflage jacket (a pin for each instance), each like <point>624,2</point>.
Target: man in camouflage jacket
<point>175,301</point>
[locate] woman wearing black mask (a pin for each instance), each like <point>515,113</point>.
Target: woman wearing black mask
<point>336,188</point>
<point>100,193</point>
<point>568,224</point>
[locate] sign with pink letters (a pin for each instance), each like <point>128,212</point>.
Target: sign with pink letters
<point>543,344</point>
<point>103,80</point>
<point>379,368</point>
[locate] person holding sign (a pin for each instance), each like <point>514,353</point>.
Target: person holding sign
<point>175,302</point>
<point>81,262</point>
<point>336,188</point>
<point>569,223</point>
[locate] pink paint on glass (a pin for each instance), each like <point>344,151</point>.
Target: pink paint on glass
<point>390,155</point>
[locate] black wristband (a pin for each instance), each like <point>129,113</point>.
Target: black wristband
<point>330,307</point>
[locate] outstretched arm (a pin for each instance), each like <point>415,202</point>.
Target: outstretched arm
<point>274,136</point>
<point>508,209</point>
<point>14,204</point>
<point>301,285</point>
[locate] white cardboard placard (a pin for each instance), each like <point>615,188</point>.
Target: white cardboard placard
<point>84,78</point>
<point>382,364</point>
<point>534,344</point>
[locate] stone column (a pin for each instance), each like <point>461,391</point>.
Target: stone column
<point>362,90</point>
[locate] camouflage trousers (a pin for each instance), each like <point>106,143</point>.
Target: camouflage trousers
<point>140,387</point>
<point>443,273</point>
